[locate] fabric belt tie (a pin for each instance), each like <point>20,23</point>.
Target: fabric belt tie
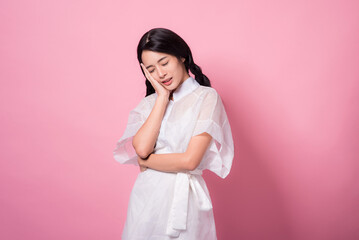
<point>178,213</point>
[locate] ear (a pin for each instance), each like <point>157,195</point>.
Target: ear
<point>183,59</point>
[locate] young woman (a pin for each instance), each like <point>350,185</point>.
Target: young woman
<point>178,130</point>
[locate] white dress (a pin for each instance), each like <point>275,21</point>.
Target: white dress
<point>177,205</point>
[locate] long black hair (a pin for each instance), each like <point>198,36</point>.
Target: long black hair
<point>166,41</point>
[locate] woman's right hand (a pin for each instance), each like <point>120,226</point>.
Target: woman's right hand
<point>160,90</point>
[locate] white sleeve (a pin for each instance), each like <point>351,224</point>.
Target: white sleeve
<point>124,151</point>
<point>213,120</point>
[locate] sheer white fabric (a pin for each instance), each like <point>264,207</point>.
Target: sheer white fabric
<point>177,205</point>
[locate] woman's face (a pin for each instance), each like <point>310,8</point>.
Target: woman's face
<point>165,68</point>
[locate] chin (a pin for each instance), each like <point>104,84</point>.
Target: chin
<point>172,87</point>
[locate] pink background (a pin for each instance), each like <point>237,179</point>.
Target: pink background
<point>287,72</point>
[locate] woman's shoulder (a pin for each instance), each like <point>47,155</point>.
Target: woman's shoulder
<point>205,91</point>
<point>150,99</point>
<point>147,101</point>
<point>144,103</point>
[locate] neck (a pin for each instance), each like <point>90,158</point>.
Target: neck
<point>184,79</point>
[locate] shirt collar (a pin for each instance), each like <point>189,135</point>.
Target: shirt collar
<point>185,88</point>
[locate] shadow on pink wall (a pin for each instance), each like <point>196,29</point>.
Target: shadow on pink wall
<point>293,170</point>
<point>247,203</point>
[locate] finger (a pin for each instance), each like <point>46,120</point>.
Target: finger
<point>156,85</point>
<point>153,82</point>
<point>144,69</point>
<point>147,74</point>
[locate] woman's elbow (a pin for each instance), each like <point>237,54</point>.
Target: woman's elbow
<point>142,151</point>
<point>191,164</point>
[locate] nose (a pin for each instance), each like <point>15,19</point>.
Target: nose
<point>161,72</point>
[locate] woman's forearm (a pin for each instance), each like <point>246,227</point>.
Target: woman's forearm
<point>167,162</point>
<point>179,162</point>
<point>145,139</point>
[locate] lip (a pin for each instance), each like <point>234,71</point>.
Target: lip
<point>167,83</point>
<point>166,80</point>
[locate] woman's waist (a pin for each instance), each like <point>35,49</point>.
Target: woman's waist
<point>197,172</point>
<point>163,150</point>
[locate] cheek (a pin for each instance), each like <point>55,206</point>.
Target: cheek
<point>155,76</point>
<point>175,70</point>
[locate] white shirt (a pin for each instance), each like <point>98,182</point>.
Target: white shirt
<point>194,109</point>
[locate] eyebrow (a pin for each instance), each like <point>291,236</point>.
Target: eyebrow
<point>157,61</point>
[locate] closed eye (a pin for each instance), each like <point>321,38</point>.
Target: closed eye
<point>165,63</point>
